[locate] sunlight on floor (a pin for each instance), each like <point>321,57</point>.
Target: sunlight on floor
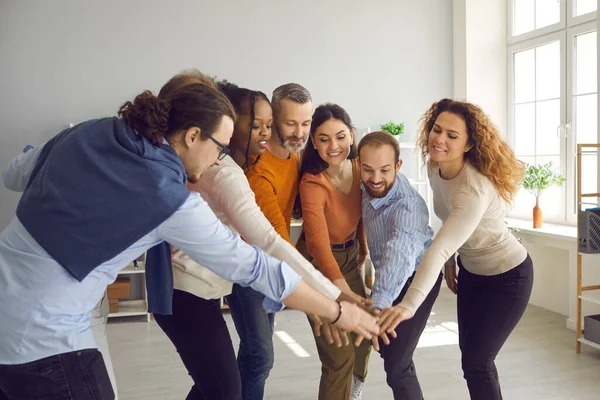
<point>292,344</point>
<point>439,334</point>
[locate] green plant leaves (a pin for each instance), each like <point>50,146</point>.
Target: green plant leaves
<point>393,128</point>
<point>539,177</point>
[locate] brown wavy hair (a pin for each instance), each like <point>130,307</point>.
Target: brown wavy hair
<point>488,153</point>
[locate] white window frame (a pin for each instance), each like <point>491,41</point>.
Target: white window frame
<point>560,25</point>
<point>572,20</point>
<point>565,32</point>
<point>570,140</point>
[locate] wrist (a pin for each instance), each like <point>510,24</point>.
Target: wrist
<point>333,310</point>
<point>339,315</point>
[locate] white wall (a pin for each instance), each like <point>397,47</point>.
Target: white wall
<point>66,61</point>
<point>480,66</point>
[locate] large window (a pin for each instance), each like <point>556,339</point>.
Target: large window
<point>552,49</point>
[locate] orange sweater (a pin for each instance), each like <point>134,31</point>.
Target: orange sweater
<point>274,182</point>
<point>330,217</point>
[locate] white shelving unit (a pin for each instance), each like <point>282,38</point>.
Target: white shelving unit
<point>138,306</point>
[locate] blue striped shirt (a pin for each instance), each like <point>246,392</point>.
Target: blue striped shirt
<point>398,234</point>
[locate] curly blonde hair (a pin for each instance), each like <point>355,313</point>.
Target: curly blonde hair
<point>488,153</point>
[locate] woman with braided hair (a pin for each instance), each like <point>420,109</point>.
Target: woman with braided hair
<point>197,327</point>
<point>95,197</point>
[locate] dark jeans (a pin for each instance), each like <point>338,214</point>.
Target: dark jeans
<point>255,329</point>
<point>200,335</point>
<point>398,355</point>
<point>78,375</point>
<point>489,308</point>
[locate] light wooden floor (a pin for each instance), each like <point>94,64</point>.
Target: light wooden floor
<point>537,363</point>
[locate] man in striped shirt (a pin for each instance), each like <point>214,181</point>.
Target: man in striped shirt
<point>396,221</point>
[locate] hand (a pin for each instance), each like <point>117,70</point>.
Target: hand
<point>348,295</point>
<point>354,319</point>
<point>331,333</point>
<point>375,312</point>
<point>391,317</point>
<point>354,298</point>
<point>450,275</point>
<point>384,339</point>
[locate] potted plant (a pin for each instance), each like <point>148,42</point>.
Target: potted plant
<point>538,178</point>
<point>393,128</point>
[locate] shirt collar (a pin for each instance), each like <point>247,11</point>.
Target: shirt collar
<point>378,202</point>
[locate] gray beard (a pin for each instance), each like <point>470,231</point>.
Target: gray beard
<point>292,148</point>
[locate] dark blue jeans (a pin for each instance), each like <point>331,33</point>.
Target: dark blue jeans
<point>78,375</point>
<point>255,329</point>
<point>398,355</point>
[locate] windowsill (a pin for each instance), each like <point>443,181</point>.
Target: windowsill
<point>553,231</point>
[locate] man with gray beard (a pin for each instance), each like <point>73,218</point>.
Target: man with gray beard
<point>274,181</point>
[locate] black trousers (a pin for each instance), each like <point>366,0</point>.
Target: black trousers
<point>489,308</point>
<point>200,335</point>
<point>78,375</point>
<point>398,355</point>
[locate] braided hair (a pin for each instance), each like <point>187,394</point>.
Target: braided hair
<point>237,96</point>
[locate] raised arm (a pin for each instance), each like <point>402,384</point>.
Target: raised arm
<point>228,192</point>
<point>468,207</point>
<point>195,229</point>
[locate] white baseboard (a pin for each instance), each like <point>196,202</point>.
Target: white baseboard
<point>571,324</point>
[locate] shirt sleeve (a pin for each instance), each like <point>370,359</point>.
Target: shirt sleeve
<point>313,197</point>
<point>19,169</point>
<point>468,207</point>
<point>409,235</point>
<point>196,230</point>
<point>269,205</point>
<point>230,192</point>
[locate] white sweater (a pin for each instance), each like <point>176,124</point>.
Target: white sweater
<point>473,214</point>
<point>226,190</point>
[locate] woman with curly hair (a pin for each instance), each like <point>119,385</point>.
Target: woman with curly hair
<point>474,176</point>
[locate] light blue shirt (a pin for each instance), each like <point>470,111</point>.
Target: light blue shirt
<point>398,234</point>
<point>45,311</point>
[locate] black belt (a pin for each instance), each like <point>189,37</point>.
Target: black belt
<point>344,246</point>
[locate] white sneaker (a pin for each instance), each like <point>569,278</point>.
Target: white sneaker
<point>357,388</point>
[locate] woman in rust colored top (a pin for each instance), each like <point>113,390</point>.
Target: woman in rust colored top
<point>330,198</point>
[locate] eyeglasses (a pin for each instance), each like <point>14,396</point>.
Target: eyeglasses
<point>224,149</point>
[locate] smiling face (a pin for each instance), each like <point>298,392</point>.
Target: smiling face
<point>448,139</point>
<point>292,124</point>
<point>261,128</point>
<point>378,169</point>
<point>333,140</point>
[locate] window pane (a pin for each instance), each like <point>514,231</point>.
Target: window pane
<point>524,76</point>
<point>586,119</point>
<point>523,16</point>
<point>586,61</point>
<point>552,201</point>
<point>525,129</point>
<point>547,12</point>
<point>589,177</point>
<point>547,69</point>
<point>585,6</point>
<point>547,118</point>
